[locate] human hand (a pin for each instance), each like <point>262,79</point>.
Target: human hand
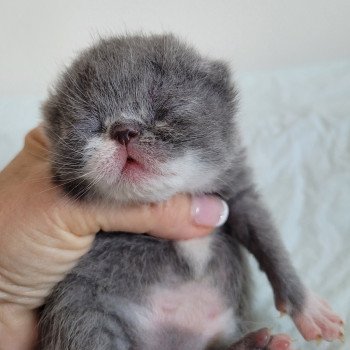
<point>43,233</point>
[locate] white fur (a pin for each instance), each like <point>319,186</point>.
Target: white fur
<point>190,174</point>
<point>104,162</point>
<point>197,252</point>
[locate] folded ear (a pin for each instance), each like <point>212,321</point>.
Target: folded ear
<point>216,70</point>
<point>217,73</point>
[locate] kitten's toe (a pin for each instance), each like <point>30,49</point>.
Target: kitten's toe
<point>317,321</point>
<point>254,340</point>
<point>263,340</point>
<point>280,342</point>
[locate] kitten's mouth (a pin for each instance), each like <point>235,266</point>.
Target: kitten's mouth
<point>137,166</point>
<point>130,160</point>
<point>133,169</point>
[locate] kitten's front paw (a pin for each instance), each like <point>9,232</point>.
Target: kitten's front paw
<point>263,340</point>
<point>318,321</point>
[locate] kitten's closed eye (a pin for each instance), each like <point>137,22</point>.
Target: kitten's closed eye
<point>161,113</point>
<point>90,125</point>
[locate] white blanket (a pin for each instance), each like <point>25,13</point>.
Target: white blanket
<point>296,124</point>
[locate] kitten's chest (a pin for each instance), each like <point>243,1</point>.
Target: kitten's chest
<point>197,253</point>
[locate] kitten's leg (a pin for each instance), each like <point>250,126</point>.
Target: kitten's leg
<point>88,330</point>
<point>75,319</point>
<point>251,224</point>
<point>263,340</point>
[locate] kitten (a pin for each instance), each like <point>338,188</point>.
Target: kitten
<point>139,119</point>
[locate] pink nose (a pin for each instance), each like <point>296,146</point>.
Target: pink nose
<point>123,134</point>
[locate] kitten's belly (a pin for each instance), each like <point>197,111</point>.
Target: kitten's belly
<point>193,307</point>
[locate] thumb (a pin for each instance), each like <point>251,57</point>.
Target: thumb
<point>181,217</point>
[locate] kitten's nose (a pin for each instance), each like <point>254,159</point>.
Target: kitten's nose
<point>124,134</point>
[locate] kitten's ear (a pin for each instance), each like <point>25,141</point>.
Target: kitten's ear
<point>216,72</point>
<point>217,76</point>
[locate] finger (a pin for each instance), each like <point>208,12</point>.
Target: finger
<point>181,217</point>
<point>36,140</point>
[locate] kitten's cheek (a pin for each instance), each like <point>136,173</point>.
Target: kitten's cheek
<point>104,160</point>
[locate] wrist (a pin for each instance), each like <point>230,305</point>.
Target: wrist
<point>17,327</point>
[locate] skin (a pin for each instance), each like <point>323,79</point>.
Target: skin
<point>44,233</point>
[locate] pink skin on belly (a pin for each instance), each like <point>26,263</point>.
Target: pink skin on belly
<point>194,306</point>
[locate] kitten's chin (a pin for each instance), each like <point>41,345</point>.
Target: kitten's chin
<point>126,192</point>
<point>156,188</point>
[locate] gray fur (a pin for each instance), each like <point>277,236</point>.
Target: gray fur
<point>179,101</point>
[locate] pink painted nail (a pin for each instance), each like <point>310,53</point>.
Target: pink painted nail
<point>209,210</point>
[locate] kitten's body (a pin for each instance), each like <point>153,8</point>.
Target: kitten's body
<point>138,292</point>
<point>137,120</point>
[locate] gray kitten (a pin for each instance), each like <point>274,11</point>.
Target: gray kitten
<point>139,119</point>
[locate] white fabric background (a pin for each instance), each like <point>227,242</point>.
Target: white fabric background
<point>296,124</point>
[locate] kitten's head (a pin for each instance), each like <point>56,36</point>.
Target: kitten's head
<point>140,119</point>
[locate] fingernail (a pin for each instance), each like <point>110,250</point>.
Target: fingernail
<point>209,211</point>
